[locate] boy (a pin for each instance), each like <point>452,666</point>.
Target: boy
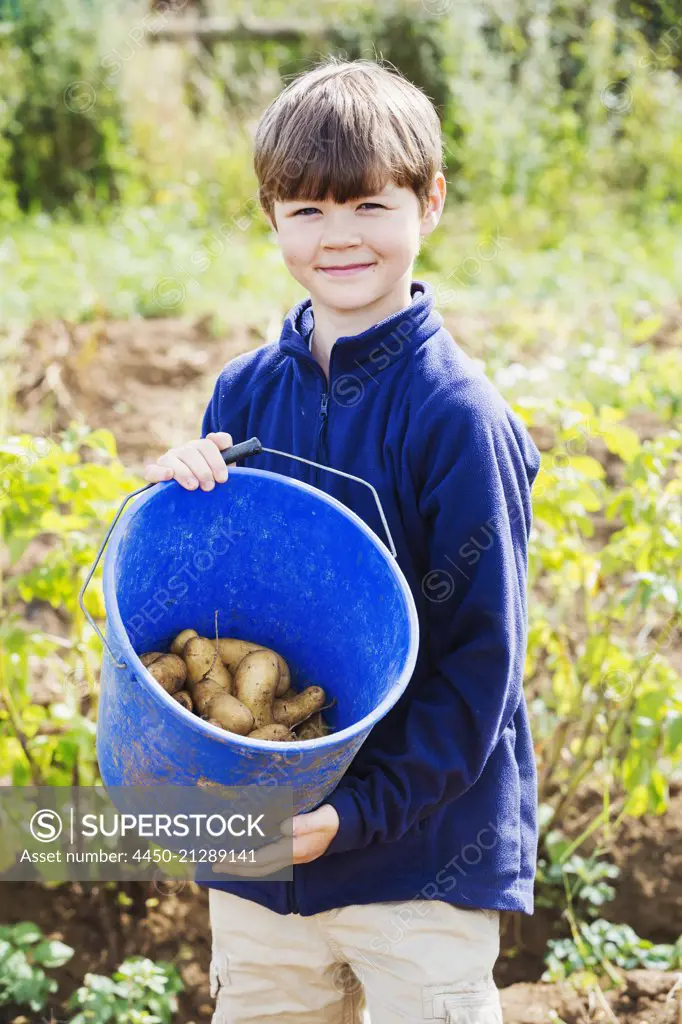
<point>400,875</point>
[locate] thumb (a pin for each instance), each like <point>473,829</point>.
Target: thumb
<point>313,821</point>
<point>300,824</point>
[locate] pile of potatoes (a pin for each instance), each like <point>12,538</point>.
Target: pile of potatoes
<point>239,686</point>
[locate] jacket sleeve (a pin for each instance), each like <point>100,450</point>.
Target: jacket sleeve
<point>228,406</point>
<point>476,470</point>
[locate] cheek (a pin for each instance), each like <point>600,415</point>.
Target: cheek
<point>397,244</point>
<point>297,249</point>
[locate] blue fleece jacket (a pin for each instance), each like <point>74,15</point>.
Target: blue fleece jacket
<point>440,800</point>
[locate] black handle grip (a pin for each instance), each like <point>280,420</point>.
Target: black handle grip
<point>241,450</point>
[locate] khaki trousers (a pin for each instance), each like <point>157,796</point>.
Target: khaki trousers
<point>384,963</point>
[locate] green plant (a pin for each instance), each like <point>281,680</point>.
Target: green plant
<point>608,703</point>
<point>24,952</point>
<point>61,137</point>
<point>55,493</point>
<point>139,992</point>
<point>583,881</point>
<point>597,948</point>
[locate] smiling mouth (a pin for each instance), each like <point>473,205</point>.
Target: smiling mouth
<point>346,270</point>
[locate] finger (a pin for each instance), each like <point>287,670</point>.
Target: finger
<point>155,473</point>
<point>197,464</point>
<point>221,438</point>
<point>180,471</point>
<point>209,450</point>
<point>307,848</point>
<point>290,826</point>
<point>301,824</point>
<point>223,441</point>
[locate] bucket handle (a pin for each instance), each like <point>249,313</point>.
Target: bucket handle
<point>236,451</point>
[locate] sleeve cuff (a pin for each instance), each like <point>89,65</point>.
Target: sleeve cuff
<point>349,836</point>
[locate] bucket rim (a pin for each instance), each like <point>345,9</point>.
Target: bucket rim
<point>125,650</point>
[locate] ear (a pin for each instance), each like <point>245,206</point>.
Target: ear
<point>435,204</point>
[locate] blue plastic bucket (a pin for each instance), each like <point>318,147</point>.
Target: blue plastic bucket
<point>287,566</point>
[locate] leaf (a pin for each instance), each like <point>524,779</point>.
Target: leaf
<point>52,953</point>
<point>622,441</point>
<point>25,933</point>
<point>658,792</point>
<point>673,733</point>
<point>637,802</point>
<point>587,467</point>
<point>102,440</point>
<point>52,521</point>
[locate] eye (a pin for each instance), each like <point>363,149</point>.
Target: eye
<point>305,209</point>
<point>378,206</point>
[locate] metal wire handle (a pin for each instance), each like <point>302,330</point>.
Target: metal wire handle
<point>236,451</point>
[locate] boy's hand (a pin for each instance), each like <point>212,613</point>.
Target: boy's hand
<point>194,463</point>
<point>313,832</point>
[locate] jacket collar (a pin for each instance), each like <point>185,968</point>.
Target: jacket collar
<point>379,345</point>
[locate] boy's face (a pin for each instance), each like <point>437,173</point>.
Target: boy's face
<point>350,255</point>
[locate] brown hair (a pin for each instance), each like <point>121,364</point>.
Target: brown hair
<point>344,130</point>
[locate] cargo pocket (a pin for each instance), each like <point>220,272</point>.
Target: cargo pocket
<point>468,1002</point>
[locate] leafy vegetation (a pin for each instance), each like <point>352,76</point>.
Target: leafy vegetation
<point>126,178</point>
<point>53,495</point>
<point>139,992</point>
<point>24,952</point>
<point>609,703</point>
<point>600,946</point>
<point>585,881</point>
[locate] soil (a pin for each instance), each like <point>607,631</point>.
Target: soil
<point>149,381</point>
<point>649,898</point>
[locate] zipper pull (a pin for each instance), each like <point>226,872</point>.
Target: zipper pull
<point>325,403</point>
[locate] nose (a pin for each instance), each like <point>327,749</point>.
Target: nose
<point>340,231</point>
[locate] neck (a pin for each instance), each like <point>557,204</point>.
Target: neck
<point>332,323</point>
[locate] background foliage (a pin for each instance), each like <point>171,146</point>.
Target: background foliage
<point>126,191</point>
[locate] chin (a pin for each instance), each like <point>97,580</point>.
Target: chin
<point>348,294</point>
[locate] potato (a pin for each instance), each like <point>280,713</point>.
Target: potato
<point>255,683</point>
<point>230,713</point>
<point>201,657</point>
<point>204,692</point>
<point>292,710</point>
<point>181,639</point>
<point>284,683</point>
<point>150,657</point>
<point>313,728</point>
<point>279,733</point>
<point>169,671</point>
<point>183,697</point>
<point>233,651</point>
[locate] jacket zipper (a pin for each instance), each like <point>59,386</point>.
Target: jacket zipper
<point>324,413</point>
<point>321,432</point>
